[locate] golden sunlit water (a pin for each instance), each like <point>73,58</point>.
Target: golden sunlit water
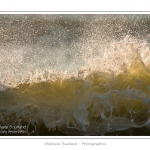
<point>79,74</point>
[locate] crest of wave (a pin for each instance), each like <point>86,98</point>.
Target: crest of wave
<point>116,56</point>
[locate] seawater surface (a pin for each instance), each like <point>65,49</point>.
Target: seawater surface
<point>79,74</point>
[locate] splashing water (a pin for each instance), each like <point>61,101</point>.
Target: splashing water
<point>84,74</point>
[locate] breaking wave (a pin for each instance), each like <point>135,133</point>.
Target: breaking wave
<point>96,89</point>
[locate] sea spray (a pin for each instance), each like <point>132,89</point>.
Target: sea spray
<point>73,76</point>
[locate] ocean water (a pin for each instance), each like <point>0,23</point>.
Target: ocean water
<point>78,74</point>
